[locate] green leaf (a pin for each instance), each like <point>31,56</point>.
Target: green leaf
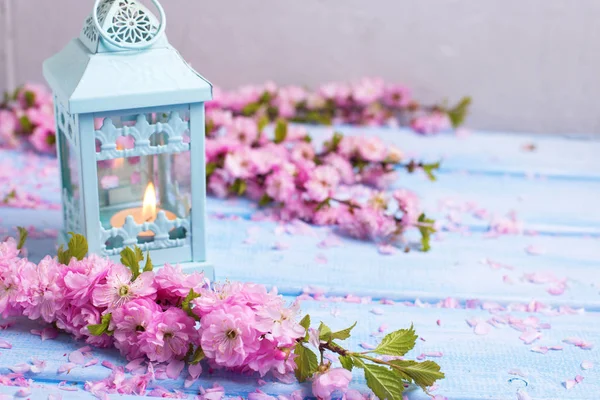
<point>334,143</point>
<point>324,333</point>
<point>429,168</point>
<point>186,305</point>
<point>426,229</point>
<point>381,380</point>
<point>211,167</point>
<point>30,98</point>
<point>343,334</point>
<point>197,356</point>
<point>423,374</point>
<point>239,187</point>
<point>26,125</point>
<point>265,200</point>
<point>102,327</point>
<point>263,122</point>
<point>305,322</point>
<point>77,247</point>
<point>397,343</point>
<point>281,130</point>
<point>306,363</point>
<point>22,237</point>
<point>251,109</point>
<point>149,267</point>
<point>11,195</point>
<point>459,112</point>
<point>131,258</point>
<point>347,362</point>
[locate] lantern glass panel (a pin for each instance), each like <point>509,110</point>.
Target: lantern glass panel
<point>70,182</point>
<point>144,185</point>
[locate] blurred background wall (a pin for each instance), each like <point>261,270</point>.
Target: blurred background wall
<point>530,65</point>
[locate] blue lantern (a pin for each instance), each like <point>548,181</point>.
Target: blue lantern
<point>130,136</point>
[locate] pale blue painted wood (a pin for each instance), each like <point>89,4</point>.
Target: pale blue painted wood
<point>89,181</point>
<point>477,367</point>
<point>454,268</point>
<point>198,166</point>
<point>556,156</point>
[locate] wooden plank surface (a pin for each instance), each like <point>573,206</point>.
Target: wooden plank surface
<point>476,367</point>
<point>553,190</point>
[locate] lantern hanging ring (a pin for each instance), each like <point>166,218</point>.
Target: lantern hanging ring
<point>127,45</point>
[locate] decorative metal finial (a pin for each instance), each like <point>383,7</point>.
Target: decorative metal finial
<point>131,26</point>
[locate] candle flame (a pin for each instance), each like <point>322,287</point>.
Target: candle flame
<point>149,205</point>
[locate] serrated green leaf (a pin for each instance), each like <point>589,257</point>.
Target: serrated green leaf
<point>324,333</point>
<point>397,343</point>
<point>22,237</point>
<point>334,143</point>
<point>381,380</point>
<point>343,334</point>
<point>306,363</point>
<point>149,267</point>
<point>347,362</point>
<point>9,196</point>
<point>281,130</point>
<point>423,374</point>
<point>78,246</point>
<point>102,327</point>
<point>197,356</point>
<point>186,304</point>
<point>131,259</point>
<point>305,322</point>
<point>458,113</point>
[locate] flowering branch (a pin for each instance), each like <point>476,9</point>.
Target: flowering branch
<point>387,378</point>
<point>293,178</point>
<point>168,319</point>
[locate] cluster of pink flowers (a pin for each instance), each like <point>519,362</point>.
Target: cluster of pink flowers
<point>316,184</point>
<point>369,101</point>
<point>242,327</point>
<point>27,116</point>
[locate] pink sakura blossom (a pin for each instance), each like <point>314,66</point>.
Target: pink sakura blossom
<point>227,336</point>
<point>239,164</point>
<point>243,130</point>
<point>367,223</point>
<point>218,183</point>
<point>371,148</point>
<point>431,123</point>
<point>129,323</point>
<point>397,96</point>
<point>42,295</point>
<point>81,277</point>
<point>322,183</point>
<point>280,186</point>
<point>120,288</point>
<point>327,383</point>
<point>168,336</point>
<point>409,203</point>
<point>368,90</point>
<point>8,126</point>
<point>173,285</point>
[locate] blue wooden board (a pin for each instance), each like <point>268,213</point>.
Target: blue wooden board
<point>477,367</point>
<point>554,191</point>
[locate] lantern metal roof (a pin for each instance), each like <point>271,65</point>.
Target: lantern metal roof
<point>123,60</point>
